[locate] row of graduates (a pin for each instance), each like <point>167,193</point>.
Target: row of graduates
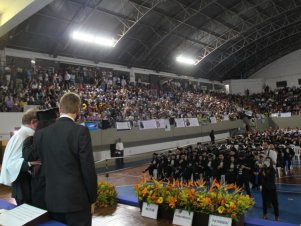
<point>233,166</point>
<point>185,165</point>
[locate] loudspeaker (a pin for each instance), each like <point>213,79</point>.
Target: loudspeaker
<point>113,150</point>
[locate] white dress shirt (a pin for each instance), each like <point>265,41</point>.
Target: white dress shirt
<point>13,160</point>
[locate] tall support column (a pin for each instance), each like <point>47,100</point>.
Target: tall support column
<point>132,76</point>
<point>2,60</point>
<point>213,88</point>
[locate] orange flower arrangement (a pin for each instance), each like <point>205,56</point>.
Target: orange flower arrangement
<point>106,195</point>
<point>226,200</point>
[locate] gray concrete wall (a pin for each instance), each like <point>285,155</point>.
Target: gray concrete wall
<point>138,141</point>
<point>109,136</point>
<point>292,122</point>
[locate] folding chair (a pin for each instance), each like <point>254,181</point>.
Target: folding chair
<point>297,153</point>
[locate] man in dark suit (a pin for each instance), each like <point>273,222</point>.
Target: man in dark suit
<point>67,161</point>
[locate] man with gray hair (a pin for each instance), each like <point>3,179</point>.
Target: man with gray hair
<point>14,169</point>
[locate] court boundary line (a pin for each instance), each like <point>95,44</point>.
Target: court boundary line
<point>288,184</point>
<point>117,170</point>
<point>126,175</point>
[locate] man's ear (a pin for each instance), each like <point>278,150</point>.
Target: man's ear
<point>33,123</point>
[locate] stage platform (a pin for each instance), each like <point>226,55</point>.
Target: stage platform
<point>8,206</point>
<point>287,203</point>
<point>288,187</point>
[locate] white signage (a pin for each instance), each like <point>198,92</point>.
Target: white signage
<point>182,217</point>
<point>275,115</point>
<point>179,122</point>
<point>123,125</point>
<point>213,120</point>
<point>249,113</point>
<point>167,125</point>
<point>285,114</point>
<point>160,123</point>
<point>219,221</point>
<point>191,122</point>
<point>149,210</point>
<point>148,124</point>
<point>226,117</point>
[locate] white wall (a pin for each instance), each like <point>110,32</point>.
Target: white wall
<point>8,122</point>
<point>287,68</point>
<point>239,86</point>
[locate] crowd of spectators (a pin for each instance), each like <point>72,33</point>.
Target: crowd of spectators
<point>282,100</point>
<point>109,97</point>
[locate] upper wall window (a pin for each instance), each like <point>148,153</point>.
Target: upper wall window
<point>299,81</point>
<point>281,84</point>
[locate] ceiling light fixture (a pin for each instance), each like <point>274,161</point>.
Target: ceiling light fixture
<point>186,60</point>
<point>89,38</point>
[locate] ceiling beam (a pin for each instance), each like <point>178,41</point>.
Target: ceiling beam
<point>233,13</point>
<point>244,29</point>
<point>281,36</point>
<point>283,22</point>
<point>173,19</point>
<point>215,19</point>
<point>202,5</point>
<point>126,18</point>
<point>140,14</point>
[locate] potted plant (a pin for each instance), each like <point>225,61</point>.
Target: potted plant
<point>106,195</point>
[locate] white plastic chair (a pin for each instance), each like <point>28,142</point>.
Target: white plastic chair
<point>279,171</point>
<point>297,153</point>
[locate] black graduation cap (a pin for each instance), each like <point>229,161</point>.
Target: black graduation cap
<point>49,114</point>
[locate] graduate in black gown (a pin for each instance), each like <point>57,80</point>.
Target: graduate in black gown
<point>268,192</point>
<point>37,185</point>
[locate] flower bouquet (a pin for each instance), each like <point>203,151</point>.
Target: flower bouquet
<point>216,199</point>
<point>106,195</point>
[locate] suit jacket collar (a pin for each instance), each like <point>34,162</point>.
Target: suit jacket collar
<point>65,119</point>
<point>66,116</point>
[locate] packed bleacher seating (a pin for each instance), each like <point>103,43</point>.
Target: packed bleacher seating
<point>112,98</point>
<point>281,100</point>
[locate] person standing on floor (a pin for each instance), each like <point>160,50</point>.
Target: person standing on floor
<point>15,170</point>
<point>268,192</point>
<point>212,137</point>
<point>119,153</point>
<point>67,159</point>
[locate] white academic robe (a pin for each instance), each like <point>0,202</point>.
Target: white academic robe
<point>273,155</point>
<point>119,146</point>
<point>12,159</point>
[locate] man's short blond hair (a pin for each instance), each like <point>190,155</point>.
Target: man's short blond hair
<point>29,115</point>
<point>70,103</point>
